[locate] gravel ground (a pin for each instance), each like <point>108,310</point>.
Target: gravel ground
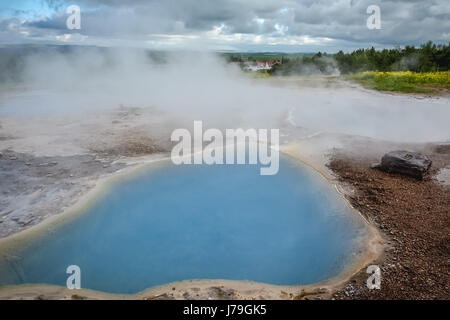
<point>415,218</point>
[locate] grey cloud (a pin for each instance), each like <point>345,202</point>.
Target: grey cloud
<point>403,21</point>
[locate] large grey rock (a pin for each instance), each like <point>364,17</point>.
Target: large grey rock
<point>409,163</point>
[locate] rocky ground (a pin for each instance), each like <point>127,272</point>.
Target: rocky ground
<point>34,188</point>
<point>48,163</point>
<point>413,215</point>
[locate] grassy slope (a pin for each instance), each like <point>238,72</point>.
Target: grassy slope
<point>408,82</point>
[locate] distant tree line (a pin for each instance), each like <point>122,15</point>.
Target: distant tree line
<point>428,57</point>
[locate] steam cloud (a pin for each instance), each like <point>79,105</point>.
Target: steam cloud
<point>199,86</point>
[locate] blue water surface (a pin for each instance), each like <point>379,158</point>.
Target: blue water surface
<point>170,223</point>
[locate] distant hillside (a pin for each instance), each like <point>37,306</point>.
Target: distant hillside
<point>13,57</point>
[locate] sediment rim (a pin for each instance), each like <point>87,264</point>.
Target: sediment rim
<point>372,249</point>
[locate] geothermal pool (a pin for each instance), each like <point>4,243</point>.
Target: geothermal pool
<point>168,223</point>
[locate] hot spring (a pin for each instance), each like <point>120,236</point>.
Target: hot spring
<point>167,223</point>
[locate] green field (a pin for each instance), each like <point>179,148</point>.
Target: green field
<point>409,82</point>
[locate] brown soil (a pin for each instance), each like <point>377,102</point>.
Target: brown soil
<point>415,218</point>
<point>129,143</point>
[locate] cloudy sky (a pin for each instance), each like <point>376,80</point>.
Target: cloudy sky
<point>240,25</point>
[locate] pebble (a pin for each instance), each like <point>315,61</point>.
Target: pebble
<point>45,164</point>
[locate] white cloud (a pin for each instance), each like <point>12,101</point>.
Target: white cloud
<point>302,25</point>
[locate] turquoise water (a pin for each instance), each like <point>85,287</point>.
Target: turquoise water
<point>170,223</point>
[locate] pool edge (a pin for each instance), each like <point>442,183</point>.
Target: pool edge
<point>373,248</point>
